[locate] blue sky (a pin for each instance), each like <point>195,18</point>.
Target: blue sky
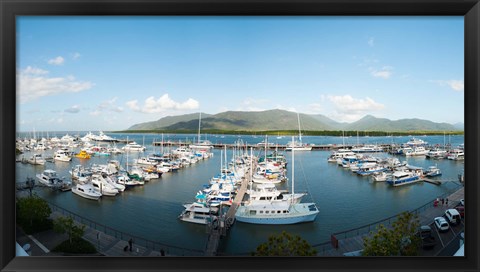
<point>108,73</point>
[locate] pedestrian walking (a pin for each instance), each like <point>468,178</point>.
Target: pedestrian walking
<point>443,201</point>
<point>130,243</point>
<point>446,202</point>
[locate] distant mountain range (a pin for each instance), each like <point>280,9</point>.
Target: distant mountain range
<point>286,120</point>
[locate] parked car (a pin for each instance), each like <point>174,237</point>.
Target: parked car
<point>461,210</point>
<point>453,216</point>
<point>441,224</point>
<point>427,239</point>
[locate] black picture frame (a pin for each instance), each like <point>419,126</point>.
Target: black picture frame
<point>470,9</point>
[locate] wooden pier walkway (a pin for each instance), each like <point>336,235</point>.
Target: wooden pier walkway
<point>226,221</point>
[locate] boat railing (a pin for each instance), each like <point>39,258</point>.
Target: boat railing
<point>148,244</point>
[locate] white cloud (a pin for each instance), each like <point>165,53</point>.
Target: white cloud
<point>95,113</point>
<point>33,83</point>
<point>56,61</point>
<point>367,61</point>
<point>34,71</point>
<point>349,109</point>
<point>76,56</point>
<point>152,105</point>
<point>371,41</point>
<point>107,105</point>
<point>73,109</point>
<point>385,72</point>
<point>456,85</point>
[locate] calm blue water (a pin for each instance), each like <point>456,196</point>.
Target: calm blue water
<point>345,200</point>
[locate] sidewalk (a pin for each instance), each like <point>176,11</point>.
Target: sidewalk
<point>42,243</point>
<point>426,216</point>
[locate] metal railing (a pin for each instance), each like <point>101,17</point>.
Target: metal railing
<point>367,229</point>
<point>387,222</point>
<point>149,244</point>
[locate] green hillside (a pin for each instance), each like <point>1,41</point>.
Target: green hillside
<point>281,120</point>
<point>168,121</point>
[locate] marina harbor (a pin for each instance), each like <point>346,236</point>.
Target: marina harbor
<point>199,198</point>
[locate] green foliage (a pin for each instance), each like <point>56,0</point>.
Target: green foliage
<point>33,213</point>
<point>285,244</point>
<point>68,226</point>
<point>76,246</point>
<point>400,240</point>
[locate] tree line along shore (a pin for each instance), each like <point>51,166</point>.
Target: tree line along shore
<point>338,133</point>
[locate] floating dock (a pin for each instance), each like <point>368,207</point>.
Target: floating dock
<point>215,232</point>
<point>432,181</point>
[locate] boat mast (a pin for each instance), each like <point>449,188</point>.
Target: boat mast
<point>199,123</point>
<point>293,174</point>
<point>251,169</point>
<point>128,149</point>
<point>266,142</point>
<point>226,162</point>
<point>444,147</point>
<point>162,145</point>
<point>299,131</point>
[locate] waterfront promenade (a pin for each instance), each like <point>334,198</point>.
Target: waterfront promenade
<point>352,240</point>
<point>113,243</point>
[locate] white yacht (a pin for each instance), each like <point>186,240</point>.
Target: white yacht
<point>80,174</point>
<point>133,146</point>
<point>367,149</point>
<point>339,154</point>
<point>36,159</point>
<point>436,153</point>
<point>86,190</point>
<point>380,176</point>
<point>50,178</point>
<point>416,142</point>
<point>269,192</point>
<point>277,212</point>
<point>456,154</point>
<point>105,138</point>
<point>61,155</point>
<point>102,186</point>
<point>433,171</point>
<point>196,213</point>
<point>417,151</point>
<point>399,178</point>
<point>145,161</point>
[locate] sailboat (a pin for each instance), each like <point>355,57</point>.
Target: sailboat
<point>278,211</point>
<point>298,146</point>
<point>201,144</point>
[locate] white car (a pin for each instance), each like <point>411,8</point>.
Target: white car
<point>441,223</point>
<point>462,202</point>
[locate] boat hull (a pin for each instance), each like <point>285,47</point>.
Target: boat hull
<point>402,182</point>
<point>306,215</point>
<point>87,196</point>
